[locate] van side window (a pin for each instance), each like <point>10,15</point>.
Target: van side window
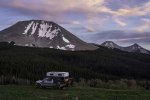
<point>59,74</point>
<point>49,79</point>
<point>51,74</point>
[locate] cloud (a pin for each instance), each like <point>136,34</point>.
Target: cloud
<point>135,11</point>
<point>145,26</point>
<point>141,10</point>
<point>64,11</point>
<point>53,6</point>
<point>120,23</point>
<point>121,36</point>
<point>58,7</point>
<point>57,10</point>
<point>89,29</point>
<point>75,22</point>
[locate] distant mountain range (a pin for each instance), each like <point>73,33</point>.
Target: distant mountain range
<point>39,33</point>
<point>133,48</point>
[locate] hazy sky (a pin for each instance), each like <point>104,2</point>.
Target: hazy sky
<point>86,17</point>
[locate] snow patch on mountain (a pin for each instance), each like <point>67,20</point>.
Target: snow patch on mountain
<point>44,28</point>
<point>34,27</point>
<point>110,45</point>
<point>46,31</point>
<point>71,46</point>
<point>64,39</point>
<point>61,48</point>
<point>28,27</point>
<point>53,33</point>
<point>51,47</point>
<point>26,44</point>
<point>29,45</point>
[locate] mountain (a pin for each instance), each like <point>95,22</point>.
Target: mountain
<point>133,48</point>
<point>136,48</point>
<point>110,44</point>
<point>39,33</point>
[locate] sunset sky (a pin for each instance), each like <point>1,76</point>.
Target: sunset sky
<point>86,17</point>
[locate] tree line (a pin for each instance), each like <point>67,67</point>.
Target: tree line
<point>31,64</point>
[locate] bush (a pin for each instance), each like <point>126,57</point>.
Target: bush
<point>115,84</point>
<point>5,80</point>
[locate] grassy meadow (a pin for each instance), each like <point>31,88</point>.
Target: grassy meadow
<point>14,92</point>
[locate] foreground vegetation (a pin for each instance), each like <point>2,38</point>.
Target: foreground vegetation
<point>13,92</point>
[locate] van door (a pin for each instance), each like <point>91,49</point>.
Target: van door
<point>50,82</point>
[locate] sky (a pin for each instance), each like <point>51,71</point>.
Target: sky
<point>86,18</point>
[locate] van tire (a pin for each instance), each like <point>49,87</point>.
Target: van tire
<point>38,85</point>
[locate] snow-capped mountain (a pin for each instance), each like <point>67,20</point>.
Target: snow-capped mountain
<point>41,33</point>
<point>133,48</point>
<point>136,48</point>
<point>110,44</point>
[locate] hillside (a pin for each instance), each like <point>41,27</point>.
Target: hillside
<point>32,63</point>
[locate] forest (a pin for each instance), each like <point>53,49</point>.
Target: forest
<point>29,64</point>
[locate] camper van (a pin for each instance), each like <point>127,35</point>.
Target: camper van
<point>59,80</point>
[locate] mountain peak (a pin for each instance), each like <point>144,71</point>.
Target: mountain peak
<point>110,44</point>
<point>135,46</point>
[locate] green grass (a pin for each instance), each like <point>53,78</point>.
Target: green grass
<point>13,92</point>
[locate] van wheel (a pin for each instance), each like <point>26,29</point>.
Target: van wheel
<point>38,85</point>
<point>62,88</point>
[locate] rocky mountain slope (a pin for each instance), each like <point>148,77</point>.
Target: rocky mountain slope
<point>39,33</point>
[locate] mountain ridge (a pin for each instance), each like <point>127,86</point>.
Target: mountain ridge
<point>132,48</point>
